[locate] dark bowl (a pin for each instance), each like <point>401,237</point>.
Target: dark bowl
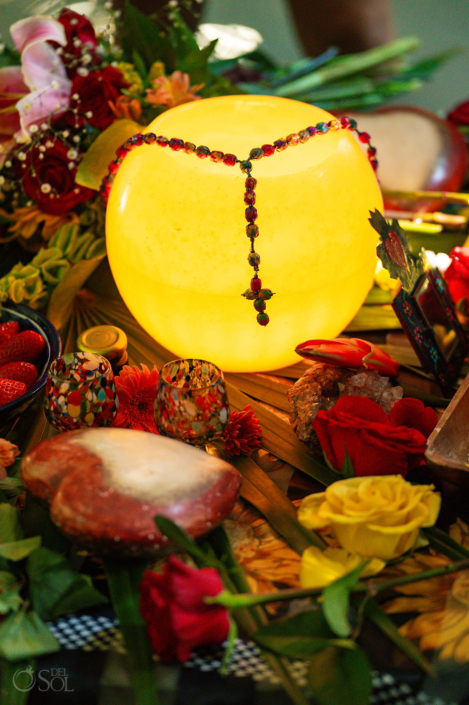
<point>30,320</point>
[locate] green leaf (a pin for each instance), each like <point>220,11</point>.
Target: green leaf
<point>138,30</point>
<point>139,64</point>
<point>55,588</point>
<point>10,600</point>
<point>182,540</point>
<point>24,635</point>
<point>18,673</point>
<point>348,65</point>
<point>61,301</point>
<point>17,550</point>
<point>340,676</point>
<point>336,601</point>
<point>10,525</point>
<point>95,164</point>
<point>181,37</point>
<point>299,637</point>
<point>347,469</point>
<point>442,543</point>
<point>196,63</point>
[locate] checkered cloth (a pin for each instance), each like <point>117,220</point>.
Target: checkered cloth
<point>100,632</point>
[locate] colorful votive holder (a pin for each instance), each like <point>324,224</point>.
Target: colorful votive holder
<point>80,392</point>
<point>191,402</point>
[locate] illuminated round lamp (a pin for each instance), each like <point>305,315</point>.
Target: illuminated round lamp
<point>177,243</point>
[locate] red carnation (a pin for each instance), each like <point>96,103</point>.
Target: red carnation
<point>376,444</point>
<point>81,39</point>
<point>47,176</point>
<point>172,604</point>
<point>243,432</point>
<point>96,93</point>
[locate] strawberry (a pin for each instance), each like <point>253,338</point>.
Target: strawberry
<point>19,371</point>
<point>10,389</point>
<point>24,347</point>
<point>8,330</point>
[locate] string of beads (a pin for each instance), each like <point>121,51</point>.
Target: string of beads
<point>255,293</point>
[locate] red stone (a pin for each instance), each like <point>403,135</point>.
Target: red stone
<point>114,166</point>
<point>175,144</point>
<point>250,198</point>
<point>256,284</point>
<point>251,213</point>
<point>268,149</point>
<point>229,159</point>
<point>121,152</point>
<point>364,137</point>
<point>162,141</point>
<point>250,183</point>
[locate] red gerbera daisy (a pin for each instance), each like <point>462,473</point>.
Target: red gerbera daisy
<point>243,432</point>
<point>136,390</point>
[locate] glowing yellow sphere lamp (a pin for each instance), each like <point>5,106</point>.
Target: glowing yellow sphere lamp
<point>176,232</point>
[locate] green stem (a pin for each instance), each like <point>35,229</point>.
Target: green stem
<point>123,578</point>
<point>9,693</point>
<point>247,600</point>
<point>253,618</point>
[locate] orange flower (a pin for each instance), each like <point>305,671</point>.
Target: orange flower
<point>243,433</point>
<point>136,391</point>
<point>173,90</point>
<point>8,453</point>
<point>126,107</point>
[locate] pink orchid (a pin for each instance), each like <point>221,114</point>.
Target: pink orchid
<point>42,70</point>
<point>349,352</point>
<point>12,89</point>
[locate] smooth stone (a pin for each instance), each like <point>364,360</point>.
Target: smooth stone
<point>105,485</point>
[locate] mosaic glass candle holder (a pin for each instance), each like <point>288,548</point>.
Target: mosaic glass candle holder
<point>80,392</point>
<point>191,403</point>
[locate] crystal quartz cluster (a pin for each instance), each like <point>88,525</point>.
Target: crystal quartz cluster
<point>322,385</point>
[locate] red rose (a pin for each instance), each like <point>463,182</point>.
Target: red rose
<point>377,444</point>
<point>460,114</point>
<point>172,604</point>
<point>48,176</point>
<point>95,92</point>
<point>457,274</point>
<point>81,39</point>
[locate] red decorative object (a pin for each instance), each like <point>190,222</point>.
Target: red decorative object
<point>457,274</point>
<point>243,433</point>
<point>172,604</point>
<point>136,391</point>
<point>376,444</point>
<point>349,352</point>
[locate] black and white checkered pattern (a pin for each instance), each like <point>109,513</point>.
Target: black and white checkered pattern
<point>99,632</point>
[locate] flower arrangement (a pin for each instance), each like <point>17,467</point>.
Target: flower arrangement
<point>69,97</point>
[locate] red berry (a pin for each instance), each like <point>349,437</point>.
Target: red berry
<point>19,371</point>
<point>10,389</point>
<point>24,347</point>
<point>8,330</point>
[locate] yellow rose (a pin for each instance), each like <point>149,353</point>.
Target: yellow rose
<point>373,516</point>
<point>320,568</point>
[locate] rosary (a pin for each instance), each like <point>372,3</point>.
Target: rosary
<point>255,293</point>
